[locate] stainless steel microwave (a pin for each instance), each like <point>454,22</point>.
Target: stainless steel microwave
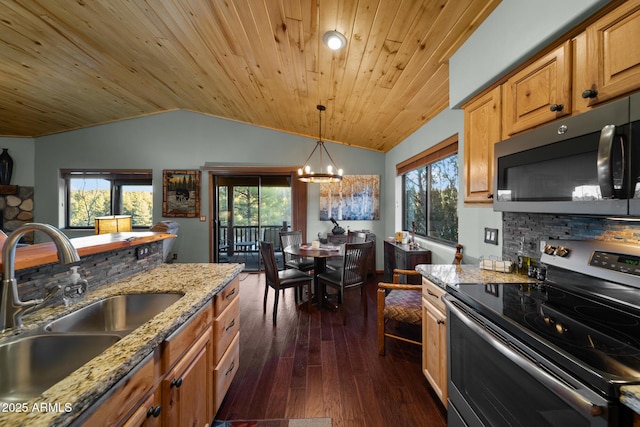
<point>587,164</point>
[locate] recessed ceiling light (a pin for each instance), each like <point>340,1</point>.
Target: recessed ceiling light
<point>334,40</point>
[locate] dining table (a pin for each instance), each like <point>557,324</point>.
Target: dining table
<point>320,255</point>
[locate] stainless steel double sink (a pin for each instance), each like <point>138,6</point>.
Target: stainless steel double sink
<point>32,362</point>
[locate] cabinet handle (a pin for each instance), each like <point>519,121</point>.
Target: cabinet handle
<point>231,325</point>
<point>154,411</point>
<point>556,107</point>
<point>230,294</point>
<point>176,383</point>
<point>440,322</point>
<point>490,196</point>
<point>233,365</point>
<point>589,93</point>
<point>431,293</point>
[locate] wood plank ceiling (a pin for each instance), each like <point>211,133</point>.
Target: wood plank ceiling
<point>69,64</point>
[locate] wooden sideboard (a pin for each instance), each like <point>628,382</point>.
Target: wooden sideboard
<point>400,256</point>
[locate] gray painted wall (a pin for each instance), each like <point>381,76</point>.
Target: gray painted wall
<point>184,140</point>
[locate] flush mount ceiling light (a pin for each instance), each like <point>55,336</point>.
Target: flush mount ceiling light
<point>334,40</point>
<point>328,175</point>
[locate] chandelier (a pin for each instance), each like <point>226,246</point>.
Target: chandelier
<point>325,175</point>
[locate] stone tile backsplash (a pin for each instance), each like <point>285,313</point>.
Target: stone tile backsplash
<point>98,269</point>
<point>537,227</point>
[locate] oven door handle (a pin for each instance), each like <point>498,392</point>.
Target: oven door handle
<point>567,394</point>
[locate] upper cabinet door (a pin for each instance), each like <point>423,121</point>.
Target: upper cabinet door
<point>481,132</point>
<point>613,52</point>
<point>539,93</point>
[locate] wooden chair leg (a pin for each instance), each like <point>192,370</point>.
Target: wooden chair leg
<point>308,296</point>
<point>266,291</point>
<point>381,295</point>
<point>275,306</point>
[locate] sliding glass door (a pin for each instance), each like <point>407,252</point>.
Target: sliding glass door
<point>249,209</point>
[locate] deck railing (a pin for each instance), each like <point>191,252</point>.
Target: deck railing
<point>241,235</point>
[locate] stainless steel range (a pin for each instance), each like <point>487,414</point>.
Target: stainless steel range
<point>552,354</point>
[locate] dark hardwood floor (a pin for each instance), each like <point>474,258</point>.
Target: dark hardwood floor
<point>310,365</point>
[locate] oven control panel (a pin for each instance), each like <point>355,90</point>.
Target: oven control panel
<point>622,263</point>
<point>607,260</point>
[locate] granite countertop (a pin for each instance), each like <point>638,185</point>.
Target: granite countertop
<point>452,275</point>
<point>198,282</point>
<point>455,275</point>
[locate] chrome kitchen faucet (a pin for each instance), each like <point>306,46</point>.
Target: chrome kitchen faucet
<point>11,308</point>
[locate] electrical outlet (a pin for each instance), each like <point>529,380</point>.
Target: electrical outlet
<point>143,252</point>
<point>491,235</point>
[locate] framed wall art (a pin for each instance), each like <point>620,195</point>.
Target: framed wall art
<point>181,193</point>
<point>355,198</point>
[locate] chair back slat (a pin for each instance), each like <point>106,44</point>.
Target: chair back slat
<point>270,264</point>
<point>356,237</point>
<point>290,238</point>
<point>354,269</point>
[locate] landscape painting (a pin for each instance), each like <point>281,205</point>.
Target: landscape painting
<point>181,193</point>
<point>355,198</point>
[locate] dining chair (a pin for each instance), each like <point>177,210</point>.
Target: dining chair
<point>281,279</point>
<point>402,303</point>
<point>352,237</point>
<point>293,238</point>
<point>352,275</point>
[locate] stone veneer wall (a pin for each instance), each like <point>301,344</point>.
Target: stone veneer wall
<point>537,227</point>
<point>17,210</point>
<point>99,269</point>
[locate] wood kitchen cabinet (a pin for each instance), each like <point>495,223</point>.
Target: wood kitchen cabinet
<point>187,389</point>
<point>608,57</point>
<point>401,257</point>
<point>539,93</point>
<point>482,127</point>
<point>598,64</point>
<point>434,338</point>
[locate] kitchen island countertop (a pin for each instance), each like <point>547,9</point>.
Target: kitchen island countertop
<point>78,391</point>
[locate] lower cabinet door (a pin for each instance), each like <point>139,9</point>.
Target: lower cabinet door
<point>187,398</point>
<point>148,414</point>
<point>434,349</point>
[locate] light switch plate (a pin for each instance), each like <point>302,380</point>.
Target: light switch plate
<point>491,235</point>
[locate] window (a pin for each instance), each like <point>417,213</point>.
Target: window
<point>430,192</point>
<point>94,193</point>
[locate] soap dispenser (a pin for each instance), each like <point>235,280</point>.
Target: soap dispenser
<point>75,290</point>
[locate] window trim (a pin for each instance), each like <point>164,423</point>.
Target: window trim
<point>117,178</point>
<point>442,150</point>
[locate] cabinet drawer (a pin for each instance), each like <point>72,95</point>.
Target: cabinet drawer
<point>225,328</point>
<point>225,371</point>
<point>182,339</point>
<point>112,408</point>
<point>433,293</point>
<point>224,298</point>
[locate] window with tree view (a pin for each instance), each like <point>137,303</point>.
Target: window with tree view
<point>92,194</point>
<point>431,199</point>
